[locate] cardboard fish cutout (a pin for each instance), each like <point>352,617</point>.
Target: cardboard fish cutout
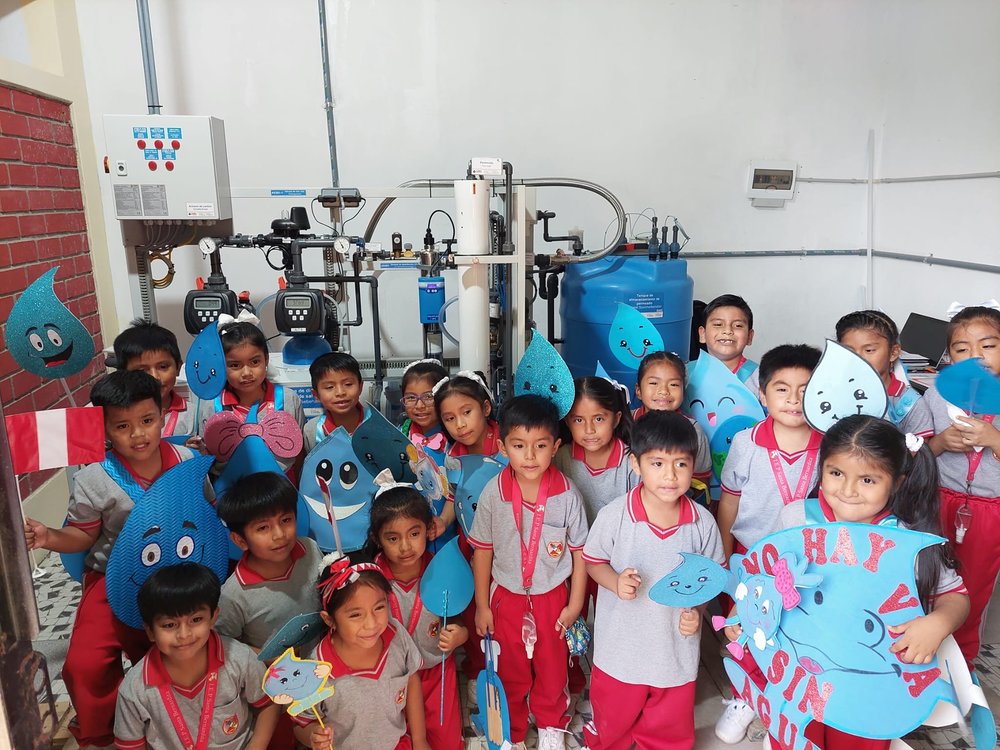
<point>297,683</point>
<point>970,386</point>
<point>696,580</point>
<point>171,524</point>
<point>294,635</point>
<point>379,445</point>
<point>205,364</point>
<point>470,479</point>
<point>842,385</point>
<point>632,336</point>
<point>43,336</point>
<point>542,372</point>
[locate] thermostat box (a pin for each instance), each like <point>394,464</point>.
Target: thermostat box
<point>168,167</point>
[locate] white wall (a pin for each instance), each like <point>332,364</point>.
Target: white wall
<point>663,103</point>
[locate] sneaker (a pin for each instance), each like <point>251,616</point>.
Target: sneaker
<point>550,738</point>
<point>732,725</point>
<point>756,732</point>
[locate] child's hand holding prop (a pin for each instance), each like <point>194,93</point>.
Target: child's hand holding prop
<point>298,683</point>
<point>493,718</point>
<point>695,580</point>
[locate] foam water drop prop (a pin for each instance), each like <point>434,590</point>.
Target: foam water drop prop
<point>542,372</point>
<point>205,364</point>
<point>378,445</point>
<point>632,336</point>
<point>714,395</point>
<point>470,479</point>
<point>294,635</point>
<point>299,684</point>
<point>172,523</point>
<point>493,717</point>
<point>722,439</point>
<point>43,336</point>
<point>970,386</point>
<point>695,580</point>
<point>842,385</point>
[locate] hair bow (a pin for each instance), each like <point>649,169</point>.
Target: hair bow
<point>471,375</point>
<point>435,442</point>
<point>425,361</point>
<point>385,482</point>
<point>784,582</point>
<point>914,443</point>
<point>341,574</point>
<point>956,307</point>
<point>278,429</point>
<point>245,316</point>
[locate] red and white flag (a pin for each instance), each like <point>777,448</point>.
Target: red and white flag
<point>55,438</point>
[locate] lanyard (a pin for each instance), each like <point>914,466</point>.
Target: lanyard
<point>529,553</point>
<point>418,606</point>
<point>802,488</point>
<point>171,423</point>
<point>207,709</point>
<point>975,458</point>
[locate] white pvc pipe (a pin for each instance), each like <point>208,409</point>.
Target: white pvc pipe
<point>472,230</point>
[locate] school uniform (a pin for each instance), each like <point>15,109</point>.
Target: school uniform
<point>366,710</point>
<point>253,608</point>
<point>901,399</point>
<point>320,427</point>
<point>748,372</point>
<point>969,480</point>
<point>703,457</point>
<point>424,628</point>
<point>231,686</point>
<point>597,487</point>
<point>765,478</point>
<point>642,683</point>
<point>178,417</point>
<point>100,499</point>
<point>491,444</point>
<point>532,559</point>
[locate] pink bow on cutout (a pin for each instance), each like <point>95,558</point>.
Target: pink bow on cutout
<point>784,581</point>
<point>436,442</point>
<point>278,429</point>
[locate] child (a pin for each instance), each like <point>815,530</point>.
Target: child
<point>646,655</point>
<point>337,385</point>
<point>400,519</point>
<point>99,504</point>
<point>596,460</point>
<point>153,349</point>
<point>464,406</point>
<point>660,387</point>
<point>873,336</point>
<point>970,478</point>
<point>526,518</point>
<point>727,331</point>
<point>868,475</point>
<point>194,685</point>
<point>273,581</point>
<point>375,667</point>
<point>422,422</point>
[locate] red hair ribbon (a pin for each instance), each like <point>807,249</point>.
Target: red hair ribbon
<point>341,574</point>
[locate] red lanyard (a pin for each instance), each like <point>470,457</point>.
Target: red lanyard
<point>529,553</point>
<point>171,423</point>
<point>975,458</point>
<point>207,709</point>
<point>418,605</point>
<point>802,488</point>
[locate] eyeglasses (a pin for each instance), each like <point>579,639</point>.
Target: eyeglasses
<point>427,399</point>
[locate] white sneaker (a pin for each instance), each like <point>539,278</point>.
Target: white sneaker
<point>550,738</point>
<point>732,725</point>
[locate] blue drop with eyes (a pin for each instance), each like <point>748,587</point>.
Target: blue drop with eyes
<point>542,372</point>
<point>632,336</point>
<point>205,365</point>
<point>696,580</point>
<point>379,445</point>
<point>470,479</point>
<point>173,523</point>
<point>842,385</point>
<point>43,336</point>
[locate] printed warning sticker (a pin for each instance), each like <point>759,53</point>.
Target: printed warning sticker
<point>128,201</point>
<point>154,200</point>
<point>201,210</point>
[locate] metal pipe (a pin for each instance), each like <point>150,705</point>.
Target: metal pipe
<point>870,245</point>
<point>328,96</point>
<point>762,253</point>
<point>930,260</point>
<point>148,63</point>
<point>890,180</point>
<point>508,207</point>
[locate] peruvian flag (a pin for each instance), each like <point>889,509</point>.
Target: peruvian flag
<point>55,438</point>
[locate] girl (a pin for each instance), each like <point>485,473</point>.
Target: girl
<point>660,387</point>
<point>464,406</point>
<point>400,519</point>
<point>967,449</point>
<point>422,422</point>
<point>374,664</point>
<point>337,385</point>
<point>873,336</point>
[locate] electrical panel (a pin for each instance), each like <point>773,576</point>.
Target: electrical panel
<point>168,167</point>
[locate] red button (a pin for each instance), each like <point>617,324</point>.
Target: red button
<point>151,165</point>
<point>140,144</point>
<point>158,144</point>
<point>175,145</point>
<point>169,166</point>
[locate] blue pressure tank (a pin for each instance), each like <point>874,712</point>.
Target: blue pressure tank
<point>590,292</point>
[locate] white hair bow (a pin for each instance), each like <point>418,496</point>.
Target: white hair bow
<point>426,361</point>
<point>245,316</point>
<point>914,443</point>
<point>956,307</point>
<point>473,376</point>
<point>386,481</point>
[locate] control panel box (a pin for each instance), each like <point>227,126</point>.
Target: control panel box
<point>168,167</point>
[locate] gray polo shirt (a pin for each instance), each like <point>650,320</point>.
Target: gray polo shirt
<point>141,719</point>
<point>638,641</point>
<point>929,417</point>
<point>748,474</point>
<point>366,710</point>
<point>182,415</point>
<point>252,609</point>
<point>319,427</point>
<point>404,601</point>
<point>597,487</point>
<point>564,529</point>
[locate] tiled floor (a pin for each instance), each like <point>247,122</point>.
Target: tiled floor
<point>57,596</point>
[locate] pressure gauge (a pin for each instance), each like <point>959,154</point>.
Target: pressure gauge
<point>343,246</point>
<point>208,245</point>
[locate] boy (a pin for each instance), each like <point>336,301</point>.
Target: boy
<point>526,519</point>
<point>645,654</point>
<point>768,466</point>
<point>153,349</point>
<point>103,494</point>
<point>727,331</point>
<point>337,385</point>
<point>276,577</point>
<point>194,689</point>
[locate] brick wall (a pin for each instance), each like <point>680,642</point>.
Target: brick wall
<point>42,225</point>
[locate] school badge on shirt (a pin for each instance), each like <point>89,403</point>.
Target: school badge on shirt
<point>401,697</point>
<point>434,629</point>
<point>555,549</point>
<point>230,725</point>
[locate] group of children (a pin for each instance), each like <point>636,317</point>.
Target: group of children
<point>588,512</point>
